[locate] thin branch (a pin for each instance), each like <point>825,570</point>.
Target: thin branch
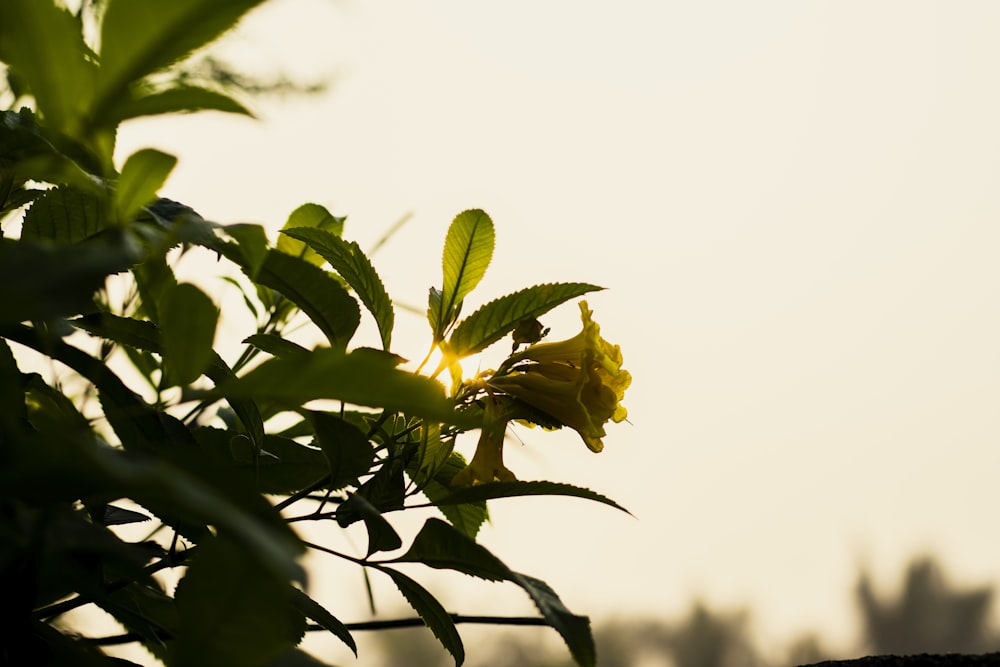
<point>388,624</point>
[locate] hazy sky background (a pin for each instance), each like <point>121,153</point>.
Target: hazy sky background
<point>794,207</point>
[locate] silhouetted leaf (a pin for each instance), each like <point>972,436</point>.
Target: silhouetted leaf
<point>119,516</point>
<point>144,336</point>
<point>442,546</point>
<point>519,488</point>
<point>283,465</point>
<point>431,611</point>
<point>501,316</point>
<point>348,260</point>
<point>231,611</point>
<point>346,448</point>
<point>63,279</point>
<point>381,535</point>
<point>575,630</point>
<point>275,345</point>
<point>187,332</point>
<point>315,611</point>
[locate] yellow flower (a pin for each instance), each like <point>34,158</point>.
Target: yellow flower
<point>487,463</point>
<point>578,382</point>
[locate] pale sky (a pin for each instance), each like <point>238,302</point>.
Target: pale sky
<point>793,206</point>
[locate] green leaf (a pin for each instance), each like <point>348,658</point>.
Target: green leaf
<point>275,345</point>
<point>362,377</point>
<point>43,44</point>
<point>143,174</point>
<point>346,448</point>
<point>140,37</point>
<point>348,260</point>
<point>315,611</point>
<point>308,216</point>
<point>381,535</point>
<point>64,216</point>
<point>146,611</point>
<point>511,489</point>
<point>431,611</point>
<point>38,282</point>
<point>178,98</point>
<point>468,249</point>
<point>144,336</point>
<point>321,297</point>
<point>575,630</point>
<point>252,241</point>
<point>442,546</point>
<point>283,466</point>
<point>501,316</point>
<point>232,612</point>
<point>466,516</point>
<point>187,332</point>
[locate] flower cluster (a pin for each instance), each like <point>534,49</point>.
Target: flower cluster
<point>578,383</point>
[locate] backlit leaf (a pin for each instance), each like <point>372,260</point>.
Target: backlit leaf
<point>350,262</point>
<point>308,216</point>
<point>442,546</point>
<point>468,249</point>
<point>143,174</point>
<point>501,316</point>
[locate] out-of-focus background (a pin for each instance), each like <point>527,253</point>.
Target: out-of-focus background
<point>794,208</point>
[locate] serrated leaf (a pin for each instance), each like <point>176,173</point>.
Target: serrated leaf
<point>431,611</point>
<point>511,489</point>
<point>350,262</point>
<point>321,297</point>
<point>308,216</point>
<point>442,546</point>
<point>275,345</point>
<point>346,448</point>
<point>315,611</point>
<point>574,629</point>
<point>143,174</point>
<point>119,516</point>
<point>178,98</point>
<point>64,216</point>
<point>501,316</point>
<point>187,332</point>
<point>468,249</point>
<point>232,612</point>
<point>140,37</point>
<point>362,377</point>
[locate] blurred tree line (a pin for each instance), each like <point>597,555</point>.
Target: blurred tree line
<point>927,615</point>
